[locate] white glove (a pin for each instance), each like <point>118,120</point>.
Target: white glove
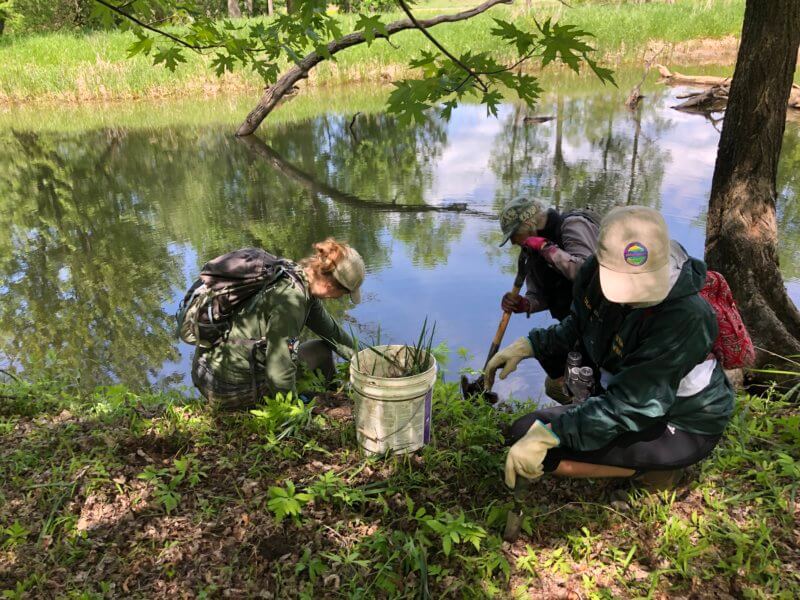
<point>508,358</point>
<point>526,456</point>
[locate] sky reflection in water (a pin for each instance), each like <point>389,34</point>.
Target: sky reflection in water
<point>107,227</point>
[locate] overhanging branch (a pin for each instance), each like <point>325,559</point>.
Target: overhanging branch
<point>274,93</point>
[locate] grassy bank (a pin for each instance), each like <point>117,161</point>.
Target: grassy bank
<point>230,109</point>
<point>113,494</point>
<point>93,66</point>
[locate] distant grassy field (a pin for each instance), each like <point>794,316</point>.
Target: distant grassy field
<point>94,66</point>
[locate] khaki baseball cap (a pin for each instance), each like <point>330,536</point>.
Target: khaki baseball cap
<point>515,212</point>
<point>633,252</point>
<point>349,272</point>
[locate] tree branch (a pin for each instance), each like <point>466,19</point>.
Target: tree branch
<point>320,188</point>
<point>273,94</point>
<point>441,48</point>
<point>144,25</point>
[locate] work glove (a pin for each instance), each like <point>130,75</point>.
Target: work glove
<point>526,456</point>
<point>535,243</point>
<point>514,303</point>
<point>508,358</point>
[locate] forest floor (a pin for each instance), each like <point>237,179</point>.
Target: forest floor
<point>116,494</point>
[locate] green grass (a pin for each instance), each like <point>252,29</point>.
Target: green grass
<point>111,494</point>
<point>94,66</point>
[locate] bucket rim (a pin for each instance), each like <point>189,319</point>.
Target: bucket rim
<point>354,371</point>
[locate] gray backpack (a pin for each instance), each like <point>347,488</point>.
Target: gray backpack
<point>225,284</point>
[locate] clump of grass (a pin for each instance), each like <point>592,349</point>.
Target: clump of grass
<point>401,361</point>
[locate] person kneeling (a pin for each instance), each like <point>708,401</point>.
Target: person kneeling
<point>260,353</point>
<point>662,399</point>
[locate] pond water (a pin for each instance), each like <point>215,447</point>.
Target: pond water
<point>105,226</point>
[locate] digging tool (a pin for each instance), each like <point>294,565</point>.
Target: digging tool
<point>514,518</point>
<point>477,388</point>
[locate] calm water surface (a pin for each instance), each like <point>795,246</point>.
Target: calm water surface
<point>105,228</point>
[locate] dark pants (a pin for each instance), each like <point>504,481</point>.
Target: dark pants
<point>661,447</point>
<point>315,355</point>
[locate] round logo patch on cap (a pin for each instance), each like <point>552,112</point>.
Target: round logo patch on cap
<point>635,254</point>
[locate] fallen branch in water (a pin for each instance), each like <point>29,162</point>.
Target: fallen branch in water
<point>714,99</point>
<point>320,188</point>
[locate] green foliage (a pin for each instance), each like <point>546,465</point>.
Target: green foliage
<point>422,525</point>
<point>259,46</point>
<point>34,16</point>
<point>286,502</point>
<point>282,415</point>
<point>452,529</point>
<point>166,481</point>
<point>15,534</point>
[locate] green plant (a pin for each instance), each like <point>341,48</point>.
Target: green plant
<point>287,502</point>
<point>452,529</point>
<point>15,534</point>
<point>168,480</point>
<point>404,361</point>
<point>282,415</point>
<point>311,564</point>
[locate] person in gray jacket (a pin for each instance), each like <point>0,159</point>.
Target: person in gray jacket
<point>557,245</point>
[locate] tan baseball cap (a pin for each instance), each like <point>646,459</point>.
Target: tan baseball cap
<point>349,272</point>
<point>633,252</point>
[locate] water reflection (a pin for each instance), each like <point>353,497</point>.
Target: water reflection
<point>107,227</point>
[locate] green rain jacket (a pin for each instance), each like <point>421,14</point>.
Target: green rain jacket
<point>278,315</point>
<point>645,352</point>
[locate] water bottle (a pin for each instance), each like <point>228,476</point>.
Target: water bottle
<point>585,384</point>
<point>574,360</point>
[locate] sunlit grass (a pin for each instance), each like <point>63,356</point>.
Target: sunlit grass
<point>95,65</point>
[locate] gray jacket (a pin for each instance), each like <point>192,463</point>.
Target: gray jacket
<point>575,241</point>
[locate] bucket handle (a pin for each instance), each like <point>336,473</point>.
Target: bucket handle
<point>388,435</point>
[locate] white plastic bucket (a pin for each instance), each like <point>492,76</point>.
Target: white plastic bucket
<point>392,413</point>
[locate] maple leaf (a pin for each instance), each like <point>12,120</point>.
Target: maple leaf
<point>170,57</point>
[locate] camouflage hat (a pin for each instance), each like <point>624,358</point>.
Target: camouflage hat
<point>515,212</point>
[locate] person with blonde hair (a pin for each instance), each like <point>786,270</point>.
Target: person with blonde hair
<point>260,352</point>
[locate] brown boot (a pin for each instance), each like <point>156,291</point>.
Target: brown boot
<point>659,481</point>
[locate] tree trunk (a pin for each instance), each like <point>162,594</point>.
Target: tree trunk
<point>559,166</point>
<point>289,7</point>
<point>286,82</point>
<point>742,232</point>
<point>249,5</point>
<point>270,8</point>
<point>635,153</point>
<point>233,9</point>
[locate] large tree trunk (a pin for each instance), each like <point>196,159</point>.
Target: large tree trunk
<point>742,232</point>
<point>233,9</point>
<point>274,93</point>
<point>270,8</point>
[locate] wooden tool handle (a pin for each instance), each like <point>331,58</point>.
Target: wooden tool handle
<point>501,328</point>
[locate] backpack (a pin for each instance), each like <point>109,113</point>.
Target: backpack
<point>733,346</point>
<point>225,284</point>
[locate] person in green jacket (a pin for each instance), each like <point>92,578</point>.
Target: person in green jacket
<point>236,374</point>
<point>661,398</point>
